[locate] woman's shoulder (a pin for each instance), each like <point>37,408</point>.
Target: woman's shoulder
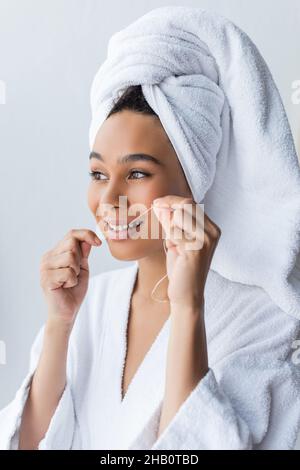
<point>246,315</point>
<point>242,297</point>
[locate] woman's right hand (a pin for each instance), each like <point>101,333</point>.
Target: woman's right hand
<point>64,274</point>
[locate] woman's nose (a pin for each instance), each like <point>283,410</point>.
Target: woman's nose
<point>110,203</point>
<point>111,193</point>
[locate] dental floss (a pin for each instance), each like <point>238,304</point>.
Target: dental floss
<point>159,281</point>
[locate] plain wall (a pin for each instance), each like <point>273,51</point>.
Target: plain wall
<point>49,53</point>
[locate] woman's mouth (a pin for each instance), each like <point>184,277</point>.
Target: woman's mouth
<point>122,232</point>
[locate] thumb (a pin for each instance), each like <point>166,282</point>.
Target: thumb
<point>164,217</point>
<point>85,249</point>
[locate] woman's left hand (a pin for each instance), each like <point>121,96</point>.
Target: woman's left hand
<point>191,239</point>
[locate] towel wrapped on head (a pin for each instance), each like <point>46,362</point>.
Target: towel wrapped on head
<point>219,105</point>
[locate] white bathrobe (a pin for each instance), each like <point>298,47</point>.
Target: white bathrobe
<point>249,398</point>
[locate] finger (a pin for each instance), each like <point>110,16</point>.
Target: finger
<point>180,218</point>
<point>178,235</point>
<point>56,278</point>
<point>74,236</point>
<point>186,242</point>
<point>164,217</point>
<point>66,245</point>
<point>84,235</point>
<point>185,222</point>
<point>70,252</point>
<point>192,226</point>
<point>85,250</point>
<point>63,260</point>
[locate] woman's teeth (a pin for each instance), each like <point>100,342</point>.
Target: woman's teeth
<point>120,228</point>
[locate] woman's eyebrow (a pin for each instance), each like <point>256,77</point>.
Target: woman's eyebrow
<point>131,157</point>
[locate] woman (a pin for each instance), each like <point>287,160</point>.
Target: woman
<point>210,367</point>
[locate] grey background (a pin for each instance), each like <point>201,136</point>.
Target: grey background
<point>49,53</point>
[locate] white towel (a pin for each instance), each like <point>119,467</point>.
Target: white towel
<point>222,111</point>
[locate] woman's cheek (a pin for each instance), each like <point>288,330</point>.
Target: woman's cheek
<point>93,199</point>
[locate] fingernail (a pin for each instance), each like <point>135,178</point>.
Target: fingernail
<point>97,241</point>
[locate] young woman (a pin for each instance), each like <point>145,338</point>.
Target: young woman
<point>208,367</point>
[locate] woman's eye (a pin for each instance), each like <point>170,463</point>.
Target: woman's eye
<point>96,175</point>
<point>140,172</point>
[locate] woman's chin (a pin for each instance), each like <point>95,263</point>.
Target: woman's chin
<point>128,250</point>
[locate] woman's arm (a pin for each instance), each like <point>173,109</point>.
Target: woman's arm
<point>188,261</point>
<point>47,385</point>
<point>64,276</point>
<point>187,361</point>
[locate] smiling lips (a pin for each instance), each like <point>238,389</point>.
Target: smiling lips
<point>120,232</point>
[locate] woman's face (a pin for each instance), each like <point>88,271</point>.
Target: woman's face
<point>139,181</point>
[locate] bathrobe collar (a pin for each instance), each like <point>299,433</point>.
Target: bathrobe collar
<point>145,392</point>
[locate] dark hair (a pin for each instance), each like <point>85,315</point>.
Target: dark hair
<point>134,100</point>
